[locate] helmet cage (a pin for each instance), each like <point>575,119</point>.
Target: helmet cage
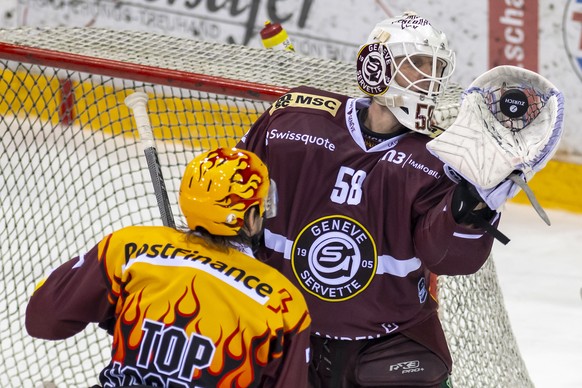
<point>405,58</point>
<point>392,67</point>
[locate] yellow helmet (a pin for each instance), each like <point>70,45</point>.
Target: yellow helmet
<point>219,186</point>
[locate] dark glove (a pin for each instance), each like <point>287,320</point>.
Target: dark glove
<point>468,208</point>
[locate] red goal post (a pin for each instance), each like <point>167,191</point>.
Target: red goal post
<point>73,170</point>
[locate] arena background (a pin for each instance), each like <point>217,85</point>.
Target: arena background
<point>542,35</point>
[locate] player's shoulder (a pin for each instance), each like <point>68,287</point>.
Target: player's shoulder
<point>277,279</point>
<point>412,148</point>
<point>304,89</point>
<point>417,138</point>
<point>306,99</point>
<point>417,142</point>
<point>144,229</point>
<point>139,232</point>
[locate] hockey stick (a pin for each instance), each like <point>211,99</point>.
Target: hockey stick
<point>136,102</point>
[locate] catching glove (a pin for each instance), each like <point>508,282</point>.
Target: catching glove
<point>508,128</point>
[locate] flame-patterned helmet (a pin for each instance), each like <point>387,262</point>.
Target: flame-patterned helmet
<point>220,186</point>
<point>395,49</point>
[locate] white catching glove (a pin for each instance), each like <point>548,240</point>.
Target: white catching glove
<point>508,128</point>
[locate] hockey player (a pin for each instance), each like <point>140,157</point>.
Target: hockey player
<point>192,307</point>
<point>370,213</point>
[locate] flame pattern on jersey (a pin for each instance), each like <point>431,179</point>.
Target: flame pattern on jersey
<point>182,313</point>
<point>243,343</point>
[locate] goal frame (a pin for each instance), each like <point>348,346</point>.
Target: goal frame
<point>141,73</point>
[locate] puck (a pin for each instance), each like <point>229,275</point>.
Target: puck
<point>513,103</point>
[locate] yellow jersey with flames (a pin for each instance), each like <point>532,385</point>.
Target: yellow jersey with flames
<point>182,313</point>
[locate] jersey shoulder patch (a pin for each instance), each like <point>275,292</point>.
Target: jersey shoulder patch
<point>303,99</point>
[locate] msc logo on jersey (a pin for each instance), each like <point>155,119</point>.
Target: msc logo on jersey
<point>304,100</point>
<point>572,32</point>
<point>334,258</point>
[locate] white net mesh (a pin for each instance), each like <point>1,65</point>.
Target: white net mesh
<point>73,170</point>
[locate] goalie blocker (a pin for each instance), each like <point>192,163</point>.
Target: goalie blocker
<point>508,128</point>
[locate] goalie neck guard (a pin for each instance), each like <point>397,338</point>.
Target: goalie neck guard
<point>405,65</point>
<point>220,186</point>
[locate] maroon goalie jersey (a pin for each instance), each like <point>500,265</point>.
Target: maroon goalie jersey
<point>358,230</point>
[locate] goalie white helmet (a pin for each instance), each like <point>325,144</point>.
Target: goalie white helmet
<point>406,64</point>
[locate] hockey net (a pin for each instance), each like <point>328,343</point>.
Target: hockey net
<point>73,170</point>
